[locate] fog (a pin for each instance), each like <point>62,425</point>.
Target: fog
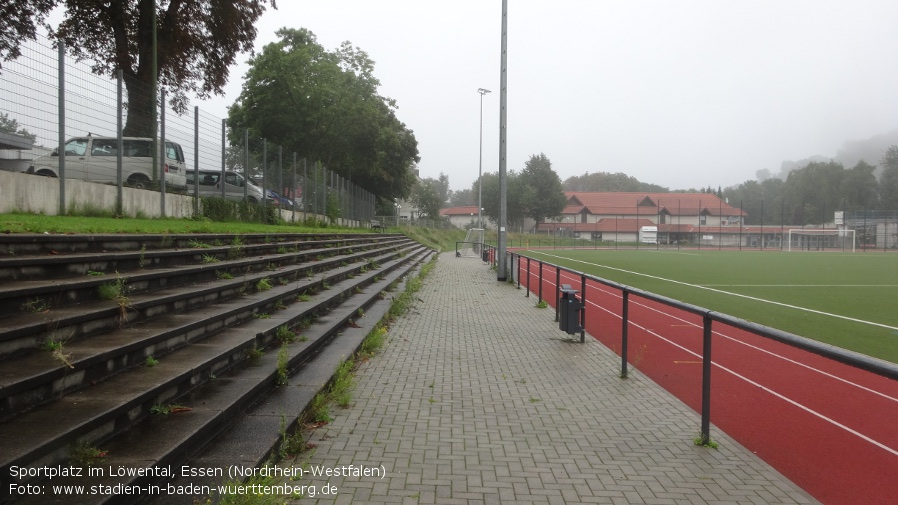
<point>684,94</point>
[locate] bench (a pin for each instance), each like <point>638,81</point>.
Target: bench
<point>375,225</point>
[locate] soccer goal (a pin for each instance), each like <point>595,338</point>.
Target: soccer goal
<point>810,239</point>
<point>473,244</point>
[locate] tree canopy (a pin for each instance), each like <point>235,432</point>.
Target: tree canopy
<point>888,183</point>
<point>608,182</point>
<point>197,42</point>
<point>20,22</point>
<point>547,199</point>
<point>324,106</point>
<point>534,193</point>
<point>809,195</point>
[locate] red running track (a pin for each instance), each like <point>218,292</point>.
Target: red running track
<point>830,428</point>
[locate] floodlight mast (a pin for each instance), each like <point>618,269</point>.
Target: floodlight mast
<point>482,92</point>
<point>501,273</point>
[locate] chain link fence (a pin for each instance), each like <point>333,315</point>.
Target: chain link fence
<point>51,104</point>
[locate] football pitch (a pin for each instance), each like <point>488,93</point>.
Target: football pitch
<point>849,300</point>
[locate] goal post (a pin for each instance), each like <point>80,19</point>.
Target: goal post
<point>820,239</point>
<point>473,244</point>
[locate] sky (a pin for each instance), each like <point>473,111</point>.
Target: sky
<point>685,94</point>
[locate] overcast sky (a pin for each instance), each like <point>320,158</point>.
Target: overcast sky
<point>684,94</point>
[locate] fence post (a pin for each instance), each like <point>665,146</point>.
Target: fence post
<point>706,381</point>
<point>119,194</point>
<point>625,320</point>
<point>539,296</point>
<point>528,278</point>
<point>557,287</point>
<point>224,156</point>
<point>61,114</point>
<point>583,312</point>
<point>161,151</point>
<point>196,159</point>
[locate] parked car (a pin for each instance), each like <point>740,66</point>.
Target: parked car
<point>211,183</point>
<point>95,159</point>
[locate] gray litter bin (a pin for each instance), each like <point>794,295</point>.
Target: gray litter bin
<point>569,308</point>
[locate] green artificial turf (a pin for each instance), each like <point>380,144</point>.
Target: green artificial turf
<point>862,286</point>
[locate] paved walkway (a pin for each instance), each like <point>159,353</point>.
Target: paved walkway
<point>479,398</point>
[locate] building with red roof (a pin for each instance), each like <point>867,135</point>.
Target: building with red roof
<point>672,217</point>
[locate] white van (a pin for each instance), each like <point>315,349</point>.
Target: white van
<point>95,159</point>
<point>210,184</point>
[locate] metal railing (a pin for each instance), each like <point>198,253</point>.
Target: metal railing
<point>519,265</point>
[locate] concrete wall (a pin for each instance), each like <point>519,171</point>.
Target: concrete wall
<point>40,195</point>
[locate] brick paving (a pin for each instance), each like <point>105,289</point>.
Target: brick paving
<point>478,398</point>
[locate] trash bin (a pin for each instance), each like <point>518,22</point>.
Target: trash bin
<point>486,255</point>
<point>569,307</point>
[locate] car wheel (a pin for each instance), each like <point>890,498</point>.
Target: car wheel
<point>139,182</point>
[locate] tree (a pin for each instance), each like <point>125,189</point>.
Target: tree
<point>859,188</point>
<point>197,42</point>
<point>888,182</point>
<point>605,181</point>
<point>516,194</point>
<point>811,190</point>
<point>463,198</point>
<point>20,20</point>
<point>8,125</point>
<point>324,106</point>
<point>545,196</point>
<point>426,199</point>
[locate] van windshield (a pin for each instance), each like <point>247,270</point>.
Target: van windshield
<point>77,147</point>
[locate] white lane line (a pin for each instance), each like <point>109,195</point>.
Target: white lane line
<point>753,383</point>
<point>771,353</point>
<point>768,390</point>
<point>796,307</point>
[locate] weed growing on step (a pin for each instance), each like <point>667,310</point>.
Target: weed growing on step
<point>236,249</point>
<point>285,335</point>
<point>82,454</point>
<point>264,284</point>
<point>373,342</point>
<point>283,377</point>
<point>262,315</point>
<point>343,384</point>
<point>304,297</point>
<point>118,292</point>
<point>319,411</point>
<point>254,352</point>
<point>162,410</point>
<point>210,258</point>
<point>280,305</point>
<point>542,304</point>
<point>223,274</point>
<point>93,273</point>
<point>291,444</point>
<point>142,261</point>
<point>151,361</point>
<point>35,305</point>
<point>57,350</point>
<point>195,244</point>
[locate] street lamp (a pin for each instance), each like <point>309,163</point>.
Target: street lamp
<point>482,92</point>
